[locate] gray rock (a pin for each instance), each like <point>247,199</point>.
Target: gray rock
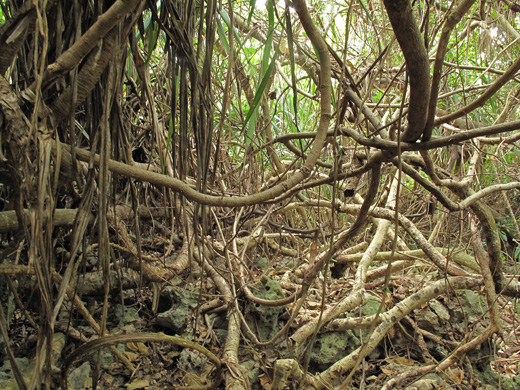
<point>78,376</point>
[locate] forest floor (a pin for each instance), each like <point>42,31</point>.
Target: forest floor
<point>182,308</point>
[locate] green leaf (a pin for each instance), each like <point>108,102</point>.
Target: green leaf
<point>252,4</point>
<point>261,88</point>
<point>269,40</point>
<point>225,17</point>
<point>251,129</point>
<point>152,40</point>
<point>362,3</point>
<point>130,65</point>
<point>222,35</point>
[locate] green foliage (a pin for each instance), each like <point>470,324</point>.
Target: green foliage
<point>258,96</point>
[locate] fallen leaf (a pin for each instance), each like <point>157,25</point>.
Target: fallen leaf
<point>138,384</point>
<point>456,374</point>
<point>265,382</point>
<point>138,347</point>
<point>131,356</point>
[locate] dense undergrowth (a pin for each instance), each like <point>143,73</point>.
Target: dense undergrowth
<point>224,195</point>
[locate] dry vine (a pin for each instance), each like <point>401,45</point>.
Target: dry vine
<point>144,135</point>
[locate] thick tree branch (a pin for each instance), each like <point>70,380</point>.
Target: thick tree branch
<point>75,54</point>
<point>434,143</point>
<point>453,18</point>
<point>410,40</point>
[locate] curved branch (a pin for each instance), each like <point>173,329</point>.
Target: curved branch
<point>488,93</point>
<point>94,345</point>
<point>373,188</point>
<point>409,38</point>
<point>428,185</point>
<point>325,86</point>
<point>435,256</point>
<point>14,32</point>
<point>303,173</point>
<point>94,65</point>
<point>453,18</point>
<point>476,196</point>
<point>75,54</point>
<point>388,320</point>
<point>491,235</point>
<point>434,143</point>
